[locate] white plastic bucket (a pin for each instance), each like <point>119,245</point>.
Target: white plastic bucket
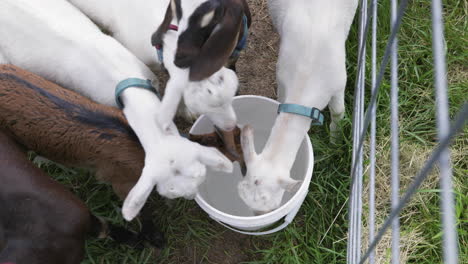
<point>218,195</point>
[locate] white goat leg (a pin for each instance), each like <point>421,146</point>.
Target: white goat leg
<point>170,102</point>
<point>337,109</point>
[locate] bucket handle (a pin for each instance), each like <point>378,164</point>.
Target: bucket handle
<point>287,220</point>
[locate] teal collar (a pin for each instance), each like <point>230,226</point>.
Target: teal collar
<point>133,82</point>
<point>310,112</point>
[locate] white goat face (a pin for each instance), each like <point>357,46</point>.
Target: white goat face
<point>180,185</point>
<point>263,187</point>
<point>179,170</point>
<point>213,97</point>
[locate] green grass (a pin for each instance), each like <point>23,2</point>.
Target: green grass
<point>318,234</point>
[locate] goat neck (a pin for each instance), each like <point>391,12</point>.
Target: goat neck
<point>285,139</point>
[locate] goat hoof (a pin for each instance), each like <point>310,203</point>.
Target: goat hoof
<point>155,239</point>
<point>125,236</point>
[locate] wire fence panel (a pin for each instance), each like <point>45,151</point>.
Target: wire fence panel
<point>395,160</point>
<point>373,132</point>
<point>356,194</point>
<point>361,121</point>
<point>447,204</point>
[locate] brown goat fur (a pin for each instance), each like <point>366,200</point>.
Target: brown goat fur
<point>70,129</point>
<point>40,221</point>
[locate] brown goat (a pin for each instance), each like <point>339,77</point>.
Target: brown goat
<point>40,221</point>
<point>70,129</point>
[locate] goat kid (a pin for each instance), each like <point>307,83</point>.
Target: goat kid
<point>71,51</point>
<point>40,221</point>
<point>70,129</point>
<point>194,55</point>
<point>311,71</point>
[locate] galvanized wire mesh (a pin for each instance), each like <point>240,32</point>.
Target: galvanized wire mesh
<point>361,121</point>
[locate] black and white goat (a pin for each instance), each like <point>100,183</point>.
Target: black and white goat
<point>195,39</point>
<point>207,35</point>
<point>311,72</point>
<point>56,41</point>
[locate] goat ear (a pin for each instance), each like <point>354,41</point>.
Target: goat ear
<point>247,12</point>
<point>217,48</point>
<point>289,184</point>
<point>247,143</point>
<point>232,61</point>
<point>157,37</point>
<point>214,159</point>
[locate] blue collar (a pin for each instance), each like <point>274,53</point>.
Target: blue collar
<point>240,45</point>
<point>133,82</point>
<point>310,112</point>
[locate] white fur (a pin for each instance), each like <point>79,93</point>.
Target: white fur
<point>207,19</point>
<point>54,40</point>
<point>223,91</point>
<point>3,59</point>
<point>311,71</point>
<point>132,22</point>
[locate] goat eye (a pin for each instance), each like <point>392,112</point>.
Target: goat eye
<point>257,182</point>
<point>209,91</point>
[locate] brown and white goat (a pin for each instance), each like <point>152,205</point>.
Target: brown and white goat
<point>70,129</point>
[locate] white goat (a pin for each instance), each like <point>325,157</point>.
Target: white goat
<point>207,34</point>
<point>56,41</point>
<point>311,71</point>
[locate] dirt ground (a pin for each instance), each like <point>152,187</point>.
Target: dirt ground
<point>256,67</point>
<point>256,71</point>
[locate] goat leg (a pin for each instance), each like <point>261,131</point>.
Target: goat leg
<point>150,232</point>
<point>100,228</point>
